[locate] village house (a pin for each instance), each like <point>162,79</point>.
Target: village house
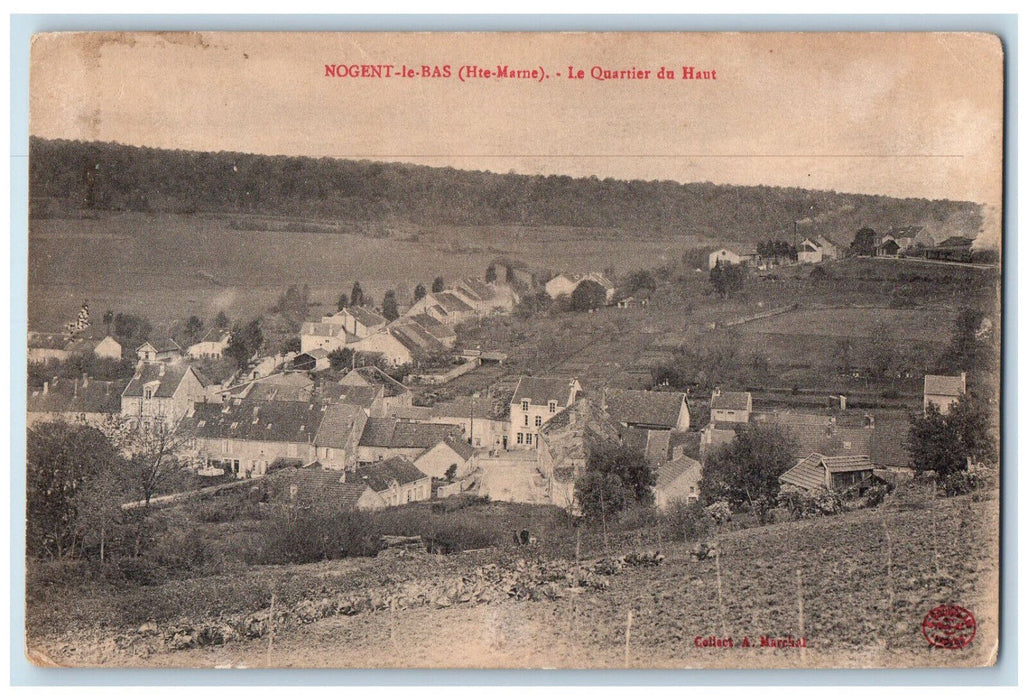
<point>386,345</point>
<point>487,297</point>
<point>339,434</point>
<point>108,348</point>
<point>284,386</point>
<point>829,248</point>
<point>46,347</point>
<point>647,419</point>
<point>835,474</point>
<point>809,251</point>
<point>832,433</point>
<point>383,438</point>
<point>452,451</point>
<point>313,488</point>
<point>315,360</point>
<point>85,401</point>
<point>211,346</point>
<point>943,391</point>
<point>161,350</point>
<point>726,256</point>
<point>358,321</point>
<point>420,343</point>
<point>564,444</point>
<point>395,396</point>
<point>396,481</point>
<point>730,406</point>
<point>370,398</point>
<point>482,422</point>
<point>566,283</point>
<point>537,400</point>
<point>162,393</point>
<point>244,438</point>
<point>326,336</point>
<point>678,481</point>
<point>436,328</point>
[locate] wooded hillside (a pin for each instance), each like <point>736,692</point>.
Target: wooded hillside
<point>70,175</point>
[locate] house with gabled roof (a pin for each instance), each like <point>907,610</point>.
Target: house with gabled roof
<point>326,336</point>
<point>452,451</point>
<point>394,394</point>
<point>162,392</point>
<point>159,350</point>
<point>726,256</point>
<point>537,400</point>
<point>839,474</point>
<point>436,328</point>
<point>383,438</point>
<point>358,321</point>
<point>943,391</point>
<point>315,360</point>
<point>566,283</point>
<point>282,386</point>
<point>829,248</point>
<point>678,481</point>
<point>107,348</point>
<point>564,445</point>
<point>244,437</point>
<point>730,406</point>
<point>311,487</point>
<point>650,410</point>
<point>339,434</point>
<point>212,345</point>
<point>387,345</point>
<point>809,251</point>
<point>79,400</point>
<point>396,480</point>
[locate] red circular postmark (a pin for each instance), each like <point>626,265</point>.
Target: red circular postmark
<point>949,627</point>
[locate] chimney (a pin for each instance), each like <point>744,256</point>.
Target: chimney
<point>842,402</point>
<point>46,388</point>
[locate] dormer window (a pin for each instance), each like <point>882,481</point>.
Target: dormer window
<point>524,405</point>
<point>553,407</point>
<point>148,393</point>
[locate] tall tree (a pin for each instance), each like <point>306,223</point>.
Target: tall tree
<point>864,242</point>
<point>245,342</point>
<point>342,302</point>
<point>60,460</point>
<point>438,285</point>
<point>419,292</point>
<point>726,278</point>
<point>614,476</point>
<point>588,295</point>
<point>943,443</point>
<point>357,295</point>
<point>108,321</point>
<point>746,470</point>
<point>390,310</point>
<point>221,321</point>
<point>194,330</point>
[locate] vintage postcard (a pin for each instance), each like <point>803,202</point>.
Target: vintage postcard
<point>514,350</point>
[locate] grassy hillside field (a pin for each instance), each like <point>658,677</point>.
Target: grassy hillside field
<point>168,266</point>
<point>867,579</point>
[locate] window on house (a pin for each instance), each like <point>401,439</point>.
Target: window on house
<point>521,438</point>
<point>847,445</point>
<point>528,438</point>
<point>149,393</point>
<point>538,421</point>
<point>526,420</point>
<point>524,405</point>
<point>553,407</point>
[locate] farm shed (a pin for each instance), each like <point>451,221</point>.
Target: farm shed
<point>677,481</point>
<point>943,391</point>
<point>836,474</point>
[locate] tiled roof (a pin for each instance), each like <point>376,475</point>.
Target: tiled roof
<point>169,377</point>
<point>437,328</point>
<point>942,385</point>
<point>730,401</point>
<point>265,421</point>
<point>330,330</point>
<point>658,409</point>
<point>461,447</point>
<point>380,476</point>
<point>363,396</point>
<point>452,303</point>
<point>337,425</point>
<point>81,345</point>
<point>888,442</point>
<point>287,386</point>
<point>315,486</point>
<point>372,375</point>
<point>162,345</point>
<point>397,434</point>
<point>467,407</point>
<point>542,390</point>
<point>479,288</point>
<point>670,472</point>
<point>366,316</point>
<point>416,339</point>
<point>809,472</point>
<point>71,396</point>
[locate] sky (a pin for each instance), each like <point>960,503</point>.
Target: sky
<point>907,115</point>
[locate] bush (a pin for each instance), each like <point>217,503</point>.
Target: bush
<point>976,477</point>
<point>719,512</point>
<point>687,521</point>
<point>809,504</point>
<point>876,495</point>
